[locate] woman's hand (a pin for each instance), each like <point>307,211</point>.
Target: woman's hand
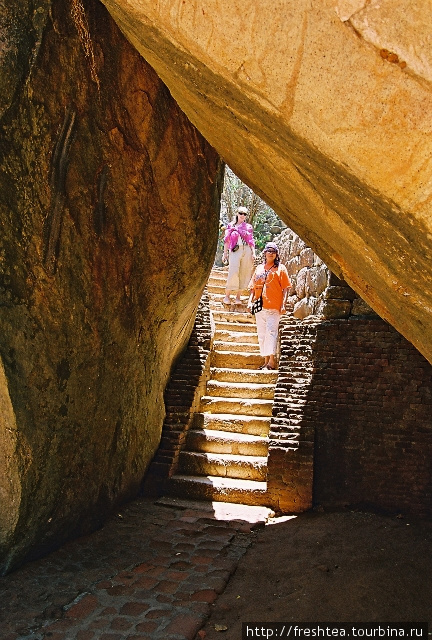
<point>249,302</point>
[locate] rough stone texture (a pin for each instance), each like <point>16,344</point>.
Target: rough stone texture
<point>291,446</point>
<point>101,178</point>
<point>21,28</point>
<point>352,409</point>
<point>314,289</point>
<point>370,403</point>
<point>182,397</point>
<point>324,109</point>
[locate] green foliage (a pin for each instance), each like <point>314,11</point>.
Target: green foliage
<point>264,220</point>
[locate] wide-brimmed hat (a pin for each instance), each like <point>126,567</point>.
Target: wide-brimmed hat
<point>271,245</point>
<point>242,210</point>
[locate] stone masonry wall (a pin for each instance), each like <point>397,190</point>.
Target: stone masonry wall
<point>291,440</point>
<point>366,405</point>
<point>182,396</point>
<point>315,290</point>
<point>371,404</point>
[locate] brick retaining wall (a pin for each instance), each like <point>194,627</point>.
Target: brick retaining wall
<point>182,396</point>
<point>366,405</point>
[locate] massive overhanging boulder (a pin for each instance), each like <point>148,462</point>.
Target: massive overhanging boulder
<point>324,108</point>
<point>109,202</point>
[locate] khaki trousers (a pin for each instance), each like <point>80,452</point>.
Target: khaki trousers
<point>240,268</point>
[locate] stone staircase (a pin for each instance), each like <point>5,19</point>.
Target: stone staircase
<point>225,457</point>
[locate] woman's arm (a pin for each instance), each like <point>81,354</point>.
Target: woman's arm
<point>284,297</point>
<point>227,238</point>
<point>251,287</point>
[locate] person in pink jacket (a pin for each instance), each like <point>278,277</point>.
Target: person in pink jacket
<point>239,244</point>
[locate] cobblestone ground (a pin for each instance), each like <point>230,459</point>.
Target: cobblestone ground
<point>151,572</point>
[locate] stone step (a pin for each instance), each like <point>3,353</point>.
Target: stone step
<point>233,423</point>
<point>219,305</point>
<point>221,272</point>
<point>222,335</point>
<point>218,297</point>
<point>249,492</point>
<point>212,441</point>
<point>221,510</point>
<point>237,347</point>
<point>227,465</point>
<point>218,276</point>
<point>244,375</point>
<point>217,288</point>
<point>239,406</point>
<point>224,315</point>
<point>232,360</point>
<point>240,389</point>
<point>242,327</point>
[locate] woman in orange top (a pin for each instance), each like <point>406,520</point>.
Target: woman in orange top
<point>271,280</point>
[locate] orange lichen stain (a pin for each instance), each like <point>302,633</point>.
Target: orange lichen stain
<point>392,57</point>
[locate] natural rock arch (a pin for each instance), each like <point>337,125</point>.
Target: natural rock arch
<point>324,109</point>
<point>96,157</point>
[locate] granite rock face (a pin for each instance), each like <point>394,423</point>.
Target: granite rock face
<point>324,109</point>
<point>109,203</point>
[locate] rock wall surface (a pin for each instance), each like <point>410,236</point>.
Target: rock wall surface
<point>323,108</point>
<point>105,191</point>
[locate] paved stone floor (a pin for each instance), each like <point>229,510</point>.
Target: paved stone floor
<point>151,572</point>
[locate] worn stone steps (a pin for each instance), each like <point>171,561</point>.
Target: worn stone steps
<point>248,492</point>
<point>242,406</point>
<point>218,288</point>
<point>225,457</point>
<point>228,389</point>
<point>218,274</point>
<point>243,375</point>
<point>236,347</point>
<point>234,423</point>
<point>229,337</point>
<point>213,441</point>
<point>221,510</point>
<point>224,315</point>
<point>236,360</point>
<point>245,467</point>
<point>230,308</point>
<point>242,327</point>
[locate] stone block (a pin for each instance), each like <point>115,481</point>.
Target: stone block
<point>307,257</point>
<point>332,309</point>
<point>304,307</point>
<point>316,280</point>
<point>361,308</point>
<point>301,283</point>
<point>293,266</point>
<point>290,303</point>
<point>297,246</point>
<point>339,293</point>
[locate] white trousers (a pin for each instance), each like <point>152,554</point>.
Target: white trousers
<point>240,268</point>
<point>267,324</point>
